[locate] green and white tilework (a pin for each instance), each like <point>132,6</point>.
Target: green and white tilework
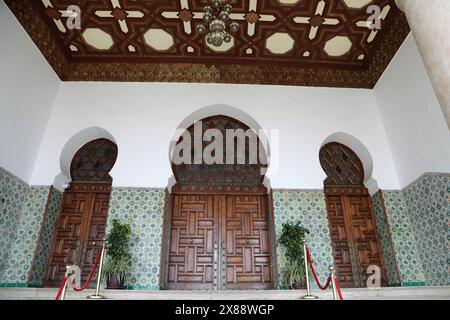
<point>403,239</point>
<point>20,223</point>
<point>309,208</point>
<point>45,239</point>
<point>428,200</point>
<point>143,209</point>
<point>417,220</point>
<point>384,236</point>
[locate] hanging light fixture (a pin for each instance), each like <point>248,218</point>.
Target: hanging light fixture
<point>216,17</point>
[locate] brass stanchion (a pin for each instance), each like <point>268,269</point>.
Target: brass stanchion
<point>308,295</point>
<point>66,276</point>
<point>99,276</point>
<point>333,283</point>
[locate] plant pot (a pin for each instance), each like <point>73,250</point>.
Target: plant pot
<point>114,283</point>
<point>299,285</point>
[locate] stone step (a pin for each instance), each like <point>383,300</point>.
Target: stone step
<point>395,293</point>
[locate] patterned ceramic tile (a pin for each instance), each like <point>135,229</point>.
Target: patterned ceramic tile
<point>25,239</point>
<point>22,214</point>
<point>143,209</point>
<point>384,236</point>
<point>428,200</point>
<point>45,238</point>
<point>418,219</point>
<point>13,194</point>
<point>309,208</point>
<point>402,233</point>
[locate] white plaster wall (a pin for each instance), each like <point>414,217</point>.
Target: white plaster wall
<point>142,118</point>
<point>413,120</point>
<point>28,87</point>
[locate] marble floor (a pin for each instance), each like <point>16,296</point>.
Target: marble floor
<point>397,293</point>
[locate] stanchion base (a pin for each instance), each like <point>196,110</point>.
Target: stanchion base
<point>95,297</point>
<point>309,297</point>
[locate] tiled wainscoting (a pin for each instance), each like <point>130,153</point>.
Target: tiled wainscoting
<point>22,217</point>
<point>143,209</point>
<point>309,208</point>
<point>413,227</point>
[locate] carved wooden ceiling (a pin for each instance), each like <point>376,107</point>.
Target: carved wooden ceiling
<point>290,42</point>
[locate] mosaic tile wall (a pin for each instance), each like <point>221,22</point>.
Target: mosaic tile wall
<point>22,216</point>
<point>143,209</point>
<point>384,236</point>
<point>402,233</point>
<point>309,208</point>
<point>417,219</point>
<point>26,236</point>
<point>12,196</point>
<point>45,239</point>
<point>428,200</point>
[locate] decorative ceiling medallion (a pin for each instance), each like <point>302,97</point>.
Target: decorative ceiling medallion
<point>306,42</point>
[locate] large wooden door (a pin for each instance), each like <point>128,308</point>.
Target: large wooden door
<point>193,242</point>
<point>354,238</point>
<point>219,242</point>
<point>245,239</point>
<point>350,213</point>
<point>79,231</point>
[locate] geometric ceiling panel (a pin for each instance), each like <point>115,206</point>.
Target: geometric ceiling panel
<point>97,38</point>
<point>287,42</point>
<point>158,39</point>
<point>338,46</point>
<point>357,4</point>
<point>280,43</point>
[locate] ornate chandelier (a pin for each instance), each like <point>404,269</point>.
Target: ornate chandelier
<point>217,17</point>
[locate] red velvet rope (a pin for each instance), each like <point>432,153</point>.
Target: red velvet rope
<point>61,287</point>
<point>97,260</point>
<point>327,284</point>
<point>338,288</point>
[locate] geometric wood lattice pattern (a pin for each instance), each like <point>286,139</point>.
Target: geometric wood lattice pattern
<point>94,161</point>
<point>233,174</point>
<point>314,42</point>
<point>342,165</point>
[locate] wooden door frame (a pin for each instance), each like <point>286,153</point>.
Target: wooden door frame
<point>355,191</point>
<point>165,241</point>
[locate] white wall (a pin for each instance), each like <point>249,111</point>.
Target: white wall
<point>142,117</point>
<point>28,87</point>
<point>414,123</point>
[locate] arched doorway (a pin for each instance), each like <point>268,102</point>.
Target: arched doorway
<point>219,231</point>
<point>83,213</point>
<point>350,213</point>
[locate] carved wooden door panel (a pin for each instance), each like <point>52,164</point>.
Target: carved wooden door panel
<point>81,222</point>
<point>219,242</point>
<point>67,242</point>
<point>364,236</point>
<point>354,238</point>
<point>95,231</point>
<point>340,239</point>
<point>246,259</point>
<point>193,242</point>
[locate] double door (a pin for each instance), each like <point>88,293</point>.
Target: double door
<point>79,230</point>
<point>219,242</point>
<point>354,238</point>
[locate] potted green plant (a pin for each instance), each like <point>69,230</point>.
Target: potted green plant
<point>118,256</point>
<point>291,238</point>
